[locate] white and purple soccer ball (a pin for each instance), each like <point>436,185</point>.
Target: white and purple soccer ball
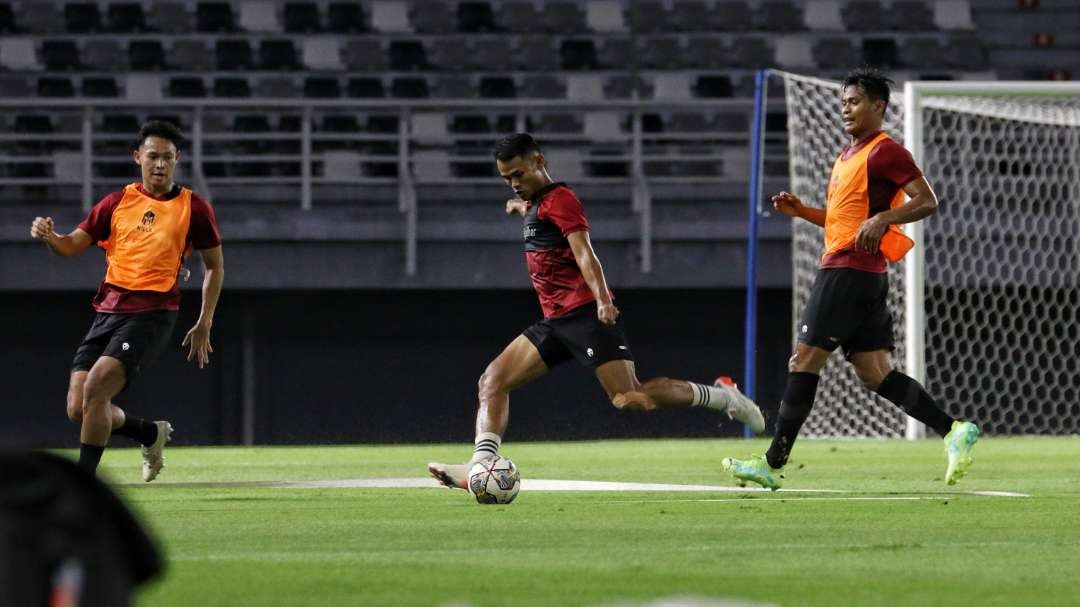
<point>494,480</point>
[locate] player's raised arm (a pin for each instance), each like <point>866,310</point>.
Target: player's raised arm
<point>593,273</point>
<point>67,245</point>
<point>789,204</point>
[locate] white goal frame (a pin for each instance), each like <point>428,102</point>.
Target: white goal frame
<point>915,93</point>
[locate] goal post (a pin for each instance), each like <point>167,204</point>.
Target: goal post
<point>986,308</point>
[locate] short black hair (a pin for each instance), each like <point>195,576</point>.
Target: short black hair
<point>512,146</point>
<point>160,128</point>
<point>874,83</point>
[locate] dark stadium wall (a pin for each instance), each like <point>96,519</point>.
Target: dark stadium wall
<point>382,366</point>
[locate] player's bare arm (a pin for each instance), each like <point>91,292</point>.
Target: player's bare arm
<point>515,206</point>
<point>593,273</point>
<point>791,205</point>
<point>923,203</point>
<point>198,338</point>
<point>67,245</point>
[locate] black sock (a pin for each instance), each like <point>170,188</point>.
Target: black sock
<point>139,429</point>
<point>90,456</point>
<point>794,409</point>
<point>907,394</point>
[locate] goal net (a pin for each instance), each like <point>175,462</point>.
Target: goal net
<point>992,292</point>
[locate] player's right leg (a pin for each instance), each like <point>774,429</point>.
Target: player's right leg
<point>104,381</point>
<point>517,365</point>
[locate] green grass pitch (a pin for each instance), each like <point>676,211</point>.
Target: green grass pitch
<point>230,541</point>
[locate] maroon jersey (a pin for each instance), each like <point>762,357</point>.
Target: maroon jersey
<point>889,167</point>
<point>202,234</point>
<point>551,215</point>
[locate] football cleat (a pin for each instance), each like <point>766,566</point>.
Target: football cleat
<point>153,457</point>
<point>958,444</point>
<point>755,469</point>
<point>739,407</point>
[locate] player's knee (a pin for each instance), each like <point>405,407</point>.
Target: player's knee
<point>74,409</point>
<point>870,377</point>
<point>95,394</point>
<point>490,383</point>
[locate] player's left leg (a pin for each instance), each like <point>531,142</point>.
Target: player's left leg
<point>876,372</point>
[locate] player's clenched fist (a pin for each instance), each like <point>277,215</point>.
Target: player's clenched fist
<point>787,204</point>
<point>515,205</point>
<point>42,228</point>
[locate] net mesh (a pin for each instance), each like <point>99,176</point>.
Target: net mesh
<point>1002,260</point>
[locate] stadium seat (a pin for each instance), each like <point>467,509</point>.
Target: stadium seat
<point>536,53</point>
<point>429,127</point>
<point>7,19</point>
<point>706,52</point>
<point>390,17</point>
<point>731,16</point>
<point>585,87</point>
<point>690,16</point>
<point>214,17</point>
<point>278,87</point>
<point>476,17</point>
<point>491,53</point>
<point>125,17</point>
<point>953,15</point>
<point>231,87</point>
<point>365,54</point>
<point>497,87</point>
<point>453,87</point>
<point>621,86</point>
<point>605,16</point>
<point>470,124</point>
<point>146,55</point>
<point>912,16</point>
<point>367,88</point>
<point>170,18</point>
<point>15,86</point>
<point>407,55</point>
<point>382,123</point>
<point>880,52</point>
<point>794,52</point>
<point>187,86</point>
<point>751,52</point>
<point>323,53</point>
<point>60,55</point>
<point>251,123</point>
<point>615,53</point>
<point>55,87</point>
<point>302,17</point>
<point>101,54</point>
<point>714,86</point>
<point>836,53</point>
<point>823,15</point>
<point>867,16</point>
<point>120,123</point>
<point>432,18</point>
<point>659,52</point>
<point>191,55</point>
<point>40,18</point>
<point>259,16</point>
<point>671,86</point>
<point>566,163</point>
<point>18,55</point>
<point>519,17</point>
<point>965,52</point>
<point>233,55</point>
<point>578,54</point>
<point>689,122</point>
<point>410,88</point>
<point>780,16</point>
<point>431,166</point>
<point>278,55</point>
<point>82,17</point>
<point>560,123</point>
<point>731,122</point>
<point>450,54</point>
<point>563,18</point>
<point>99,87</point>
<point>321,87</point>
<point>142,87</point>
<point>650,17</point>
<point>542,87</point>
<point>921,52</point>
<point>345,17</point>
<point>603,127</point>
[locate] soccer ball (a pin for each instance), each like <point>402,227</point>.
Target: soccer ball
<point>494,480</point>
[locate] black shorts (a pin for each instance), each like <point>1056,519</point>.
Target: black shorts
<point>848,308</point>
<point>579,334</point>
<point>135,339</point>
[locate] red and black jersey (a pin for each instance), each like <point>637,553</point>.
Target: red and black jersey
<point>552,214</point>
<point>142,277</point>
